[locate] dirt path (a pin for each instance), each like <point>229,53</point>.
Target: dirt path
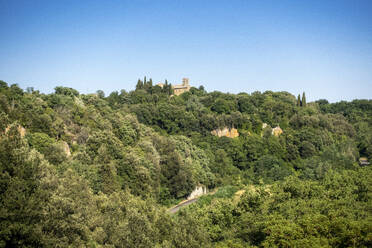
<point>182,204</point>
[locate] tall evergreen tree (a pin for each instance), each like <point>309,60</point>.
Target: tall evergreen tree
<point>298,100</point>
<point>170,89</point>
<point>303,100</point>
<point>139,84</point>
<point>148,86</point>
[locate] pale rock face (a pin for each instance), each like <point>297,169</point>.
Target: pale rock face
<point>66,148</point>
<point>227,132</point>
<point>21,130</point>
<point>277,131</point>
<point>198,191</point>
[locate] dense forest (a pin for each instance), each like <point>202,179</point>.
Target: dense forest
<point>89,170</point>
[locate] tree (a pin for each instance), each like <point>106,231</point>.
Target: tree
<point>303,100</point>
<point>108,178</point>
<point>100,93</point>
<point>139,84</point>
<point>3,84</point>
<point>30,90</point>
<point>222,106</point>
<point>23,192</point>
<point>245,105</point>
<point>66,91</point>
<point>299,101</point>
<point>40,141</point>
<point>4,121</point>
<point>307,149</point>
<point>72,214</point>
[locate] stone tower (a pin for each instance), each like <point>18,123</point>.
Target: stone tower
<point>181,88</point>
<point>185,81</point>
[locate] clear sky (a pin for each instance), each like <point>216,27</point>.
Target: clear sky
<point>321,47</point>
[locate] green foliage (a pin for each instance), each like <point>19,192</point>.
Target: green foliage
<point>222,192</point>
<point>270,168</point>
<point>40,141</point>
<point>331,212</point>
<point>303,102</point>
<point>66,91</point>
<point>88,170</point>
<point>23,192</point>
<point>222,106</point>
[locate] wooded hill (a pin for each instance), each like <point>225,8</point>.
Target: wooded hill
<point>95,170</point>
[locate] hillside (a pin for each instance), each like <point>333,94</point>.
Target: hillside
<point>101,171</point>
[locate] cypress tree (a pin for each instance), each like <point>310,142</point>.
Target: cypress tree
<point>170,92</point>
<point>149,86</point>
<point>139,85</point>
<point>165,87</point>
<point>303,100</point>
<point>298,100</point>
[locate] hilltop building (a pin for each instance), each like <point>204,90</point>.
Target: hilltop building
<point>178,89</point>
<point>181,88</point>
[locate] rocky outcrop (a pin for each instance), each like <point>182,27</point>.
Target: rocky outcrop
<point>66,148</point>
<point>276,131</point>
<point>227,132</point>
<point>198,191</point>
<point>21,130</point>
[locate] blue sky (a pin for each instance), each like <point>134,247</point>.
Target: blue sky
<point>321,47</point>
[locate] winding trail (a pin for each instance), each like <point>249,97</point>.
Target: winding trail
<point>182,204</point>
<point>174,209</point>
